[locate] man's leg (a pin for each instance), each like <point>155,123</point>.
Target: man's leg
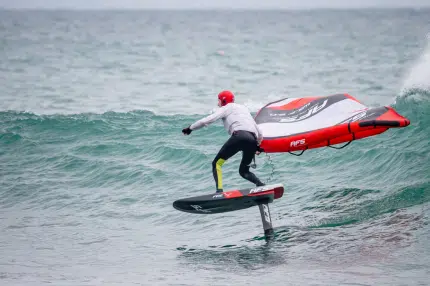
<point>247,156</point>
<point>227,150</point>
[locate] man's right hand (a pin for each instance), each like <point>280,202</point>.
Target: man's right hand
<point>187,131</point>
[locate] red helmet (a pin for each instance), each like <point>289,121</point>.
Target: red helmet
<point>226,97</point>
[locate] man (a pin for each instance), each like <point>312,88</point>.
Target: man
<point>246,136</point>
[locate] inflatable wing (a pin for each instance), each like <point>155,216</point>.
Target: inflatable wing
<point>294,124</point>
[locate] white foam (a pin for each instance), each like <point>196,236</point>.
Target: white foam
<point>418,76</point>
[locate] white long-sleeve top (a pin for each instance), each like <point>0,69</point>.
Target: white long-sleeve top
<point>235,117</point>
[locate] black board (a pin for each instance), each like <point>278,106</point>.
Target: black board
<point>232,200</point>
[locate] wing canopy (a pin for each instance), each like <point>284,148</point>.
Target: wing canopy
<point>294,124</point>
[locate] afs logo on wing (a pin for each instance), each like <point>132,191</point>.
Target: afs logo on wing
<point>297,143</point>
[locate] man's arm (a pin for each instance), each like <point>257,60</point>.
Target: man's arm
<point>259,135</point>
<point>220,113</point>
<point>259,139</point>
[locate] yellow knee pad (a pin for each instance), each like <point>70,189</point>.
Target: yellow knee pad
<point>219,164</point>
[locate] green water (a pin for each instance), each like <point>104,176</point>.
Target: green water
<point>92,155</point>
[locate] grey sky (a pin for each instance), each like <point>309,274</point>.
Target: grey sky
<point>193,4</point>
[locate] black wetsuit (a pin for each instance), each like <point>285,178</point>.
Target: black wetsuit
<point>245,135</point>
<point>240,140</point>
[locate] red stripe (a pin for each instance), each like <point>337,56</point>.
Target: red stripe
<point>351,97</point>
<point>320,138</point>
<point>232,194</point>
<point>293,143</point>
